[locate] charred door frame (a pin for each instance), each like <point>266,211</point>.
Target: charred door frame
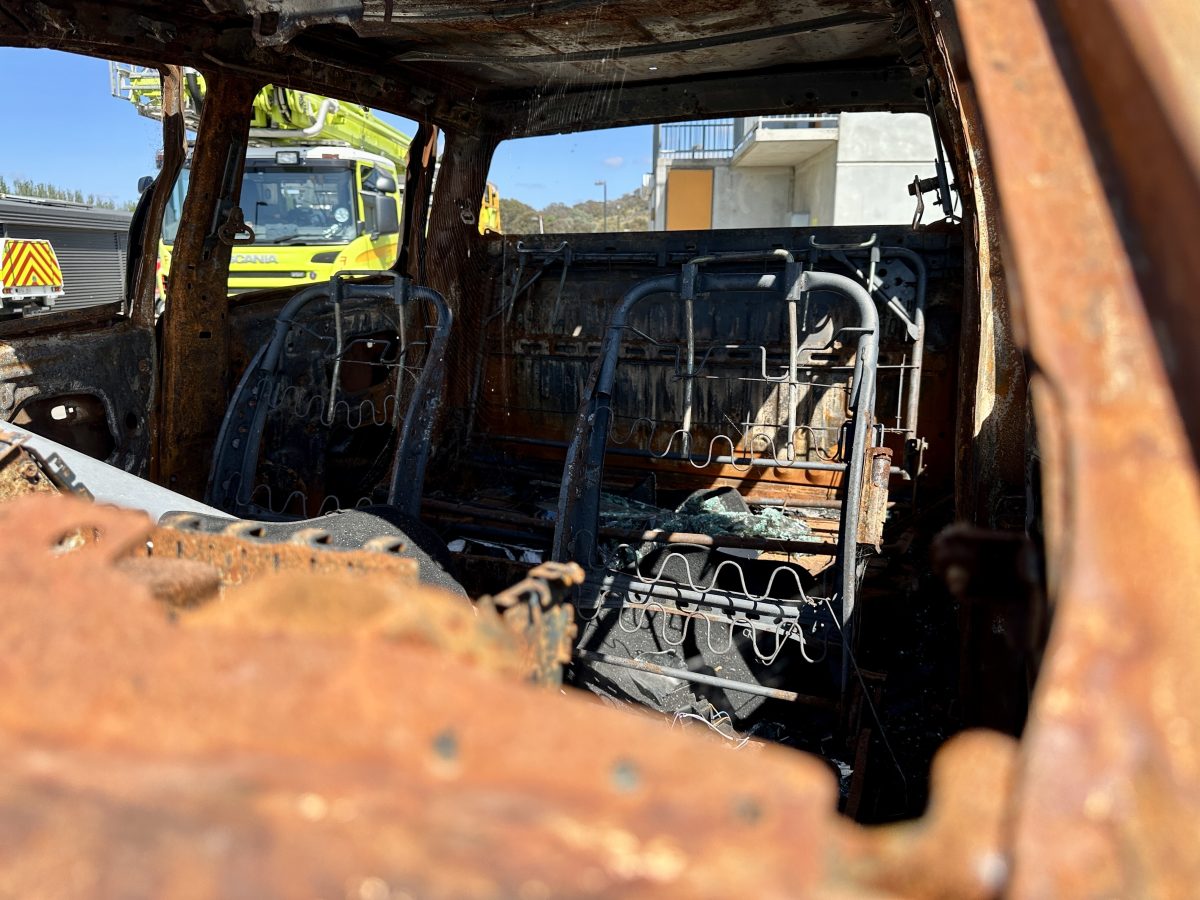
<point>194,358</point>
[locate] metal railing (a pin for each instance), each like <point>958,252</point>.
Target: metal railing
<point>721,138</point>
<point>713,139</point>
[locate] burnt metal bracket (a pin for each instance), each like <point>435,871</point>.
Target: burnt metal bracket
<point>945,199</point>
<point>535,608</point>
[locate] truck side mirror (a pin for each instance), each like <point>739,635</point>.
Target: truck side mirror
<point>144,183</point>
<point>388,211</point>
<point>378,181</point>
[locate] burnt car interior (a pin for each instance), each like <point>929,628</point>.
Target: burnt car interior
<point>798,468</point>
<point>745,438</point>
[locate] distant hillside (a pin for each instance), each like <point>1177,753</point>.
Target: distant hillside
<point>629,212</point>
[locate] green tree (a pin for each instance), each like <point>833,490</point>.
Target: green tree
<point>517,217</point>
<point>24,187</point>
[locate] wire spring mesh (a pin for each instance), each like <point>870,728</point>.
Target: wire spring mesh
<point>634,618</point>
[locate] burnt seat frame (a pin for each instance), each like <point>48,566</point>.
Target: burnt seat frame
<point>236,457</point>
<point>577,529</point>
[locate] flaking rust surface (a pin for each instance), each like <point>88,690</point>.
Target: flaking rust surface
<point>20,473</point>
<point>241,558</point>
<point>143,754</point>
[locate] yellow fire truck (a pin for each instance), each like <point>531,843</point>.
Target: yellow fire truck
<point>321,189</point>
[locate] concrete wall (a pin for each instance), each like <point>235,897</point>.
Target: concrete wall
<point>658,195</point>
<point>752,198</point>
<point>878,154</point>
<point>815,189</point>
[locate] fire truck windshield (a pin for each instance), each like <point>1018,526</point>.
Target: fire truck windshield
<point>287,204</point>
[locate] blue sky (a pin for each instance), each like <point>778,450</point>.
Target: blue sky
<point>75,135</point>
<point>565,167</point>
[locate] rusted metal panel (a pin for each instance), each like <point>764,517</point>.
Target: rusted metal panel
<point>20,471</point>
<point>435,776</point>
<point>194,374</point>
<point>1139,62</point>
<point>876,475</point>
<point>240,557</point>
<point>1110,788</point>
<point>109,362</point>
<point>990,463</point>
<point>239,580</point>
<point>454,235</point>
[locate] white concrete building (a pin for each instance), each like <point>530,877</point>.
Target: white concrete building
<point>852,169</point>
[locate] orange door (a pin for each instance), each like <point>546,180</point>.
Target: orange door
<point>689,199</point>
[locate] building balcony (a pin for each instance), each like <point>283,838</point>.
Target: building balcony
<point>782,140</point>
<point>753,141</point>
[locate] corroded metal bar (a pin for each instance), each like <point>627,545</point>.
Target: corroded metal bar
<point>454,235</point>
<point>418,187</point>
<point>195,370</point>
<point>758,690</point>
<point>141,298</point>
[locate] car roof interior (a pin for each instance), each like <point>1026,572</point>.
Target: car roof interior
<point>515,68</point>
